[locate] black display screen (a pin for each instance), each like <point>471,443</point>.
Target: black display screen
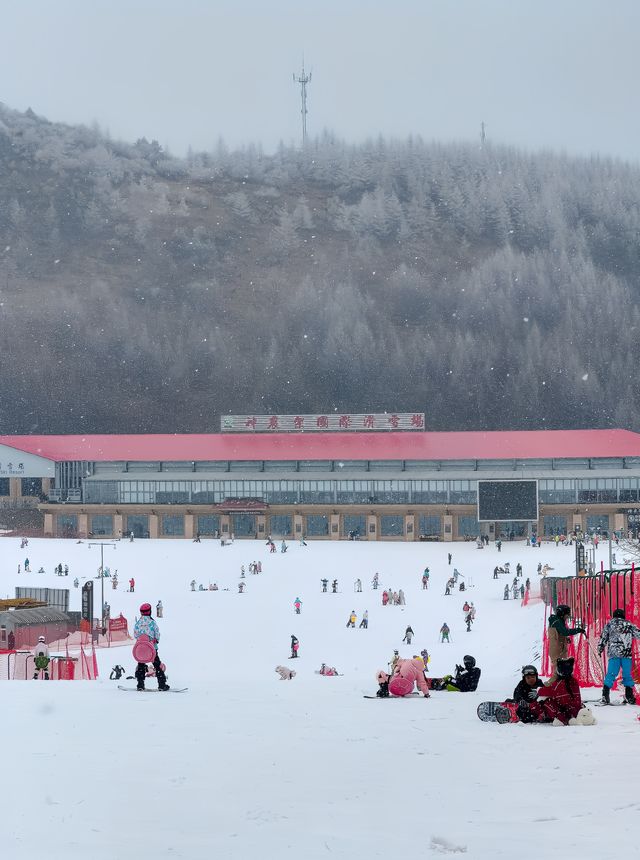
<point>502,501</point>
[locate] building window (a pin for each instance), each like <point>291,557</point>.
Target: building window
<point>391,526</point>
<point>173,525</point>
<point>598,524</point>
<point>429,525</point>
<point>243,525</point>
<point>67,525</point>
<point>139,525</point>
<point>317,525</point>
<point>354,525</point>
<point>468,527</point>
<point>101,524</point>
<point>280,524</point>
<point>31,487</point>
<point>4,486</point>
<point>208,525</point>
<point>554,525</point>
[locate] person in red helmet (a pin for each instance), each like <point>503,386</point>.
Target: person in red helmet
<point>145,625</point>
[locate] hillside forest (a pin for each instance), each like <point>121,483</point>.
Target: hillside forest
<point>488,287</point>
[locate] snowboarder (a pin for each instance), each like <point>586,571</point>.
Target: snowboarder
<point>375,581</point>
<point>76,582</point>
<point>132,584</point>
<point>334,586</point>
<point>41,657</point>
<point>444,632</point>
<point>242,571</point>
<point>408,633</point>
<point>297,605</point>
<point>27,569</point>
<point>357,585</point>
<point>527,584</point>
<point>522,590</point>
<point>468,621</point>
<point>411,670</point>
<point>114,582</point>
<point>617,637</point>
<point>514,591</point>
<point>560,700</point>
<point>241,588</point>
<point>425,580</point>
<point>527,689</point>
<point>352,619</point>
<point>159,609</point>
<point>193,585</point>
<point>465,679</point>
<point>365,619</point>
<point>116,673</point>
<point>146,626</point>
<point>449,556</point>
<point>295,645</point>
<point>394,660</point>
<point>518,570</point>
<point>324,582</point>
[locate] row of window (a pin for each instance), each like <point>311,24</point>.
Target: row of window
<point>313,525</point>
<point>452,492</point>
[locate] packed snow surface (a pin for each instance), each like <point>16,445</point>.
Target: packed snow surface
<point>245,765</point>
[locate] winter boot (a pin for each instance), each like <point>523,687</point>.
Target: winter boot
<point>383,692</point>
<point>629,695</point>
<point>605,696</point>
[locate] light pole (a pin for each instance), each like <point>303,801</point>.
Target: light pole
<point>102,545</point>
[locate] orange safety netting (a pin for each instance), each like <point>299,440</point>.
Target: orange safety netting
<point>592,600</point>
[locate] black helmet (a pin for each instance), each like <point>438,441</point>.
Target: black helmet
<point>618,613</point>
<point>564,668</point>
<point>529,670</point>
<point>469,661</point>
<point>563,610</point>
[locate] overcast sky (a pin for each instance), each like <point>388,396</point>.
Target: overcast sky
<point>560,74</point>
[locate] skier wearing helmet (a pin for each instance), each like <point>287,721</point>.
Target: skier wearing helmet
<point>559,637</point>
<point>464,681</point>
<point>527,688</point>
<point>560,701</point>
<point>145,625</point>
<point>617,636</point>
<point>41,657</point>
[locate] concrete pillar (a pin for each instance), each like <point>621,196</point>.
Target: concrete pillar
<point>83,525</point>
<point>153,525</point>
<point>261,525</point>
<point>447,527</point>
<point>46,485</point>
<point>189,526</point>
<point>409,527</point>
<point>117,525</point>
<point>618,522</point>
<point>14,488</point>
<point>372,527</point>
<point>48,525</point>
<point>224,525</point>
<point>334,526</point>
<point>577,523</point>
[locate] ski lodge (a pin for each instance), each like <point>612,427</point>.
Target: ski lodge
<point>333,477</point>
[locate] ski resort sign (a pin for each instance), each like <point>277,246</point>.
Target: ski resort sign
<point>333,422</point>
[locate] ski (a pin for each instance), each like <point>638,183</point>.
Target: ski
<point>152,690</point>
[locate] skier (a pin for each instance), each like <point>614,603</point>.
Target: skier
<point>242,571</point>
<point>145,625</point>
<point>425,657</point>
<point>324,582</point>
<point>297,603</point>
<point>518,570</point>
<point>295,644</point>
<point>334,586</point>
<point>527,584</point>
<point>27,569</point>
<point>425,579</point>
<point>401,598</point>
<point>394,660</point>
<point>241,588</point>
<point>560,701</point>
<point>522,590</point>
<point>495,572</point>
<point>132,584</point>
<point>159,609</point>
<point>76,582</point>
<point>447,588</point>
<point>283,546</point>
<point>559,637</point>
<point>617,636</point>
<point>468,621</point>
<point>114,582</point>
<point>193,585</point>
<point>385,597</point>
<point>464,681</point>
<point>375,581</point>
<point>514,591</point>
<point>444,632</point>
<point>357,585</point>
<point>352,619</point>
<point>365,619</point>
<point>449,556</point>
<point>408,633</point>
<point>41,657</point>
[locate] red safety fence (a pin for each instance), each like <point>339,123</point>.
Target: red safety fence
<point>592,600</point>
<point>20,666</point>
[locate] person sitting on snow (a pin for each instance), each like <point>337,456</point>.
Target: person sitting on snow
<point>405,674</point>
<point>465,679</point>
<point>327,670</point>
<point>527,688</point>
<point>560,701</point>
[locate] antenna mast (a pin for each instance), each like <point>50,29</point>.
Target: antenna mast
<point>303,80</point>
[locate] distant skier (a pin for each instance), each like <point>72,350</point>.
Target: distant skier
<point>444,632</point>
<point>506,592</point>
<point>324,582</point>
<point>297,605</point>
<point>145,625</point>
<point>334,586</point>
<point>449,556</point>
<point>241,587</point>
<point>132,584</point>
<point>357,585</point>
<point>408,635</point>
<point>295,645</point>
<point>116,673</point>
<point>159,609</point>
<point>365,619</point>
<point>375,581</point>
<point>352,619</point>
<point>193,585</point>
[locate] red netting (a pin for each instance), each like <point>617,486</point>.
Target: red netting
<point>592,600</point>
<point>20,666</point>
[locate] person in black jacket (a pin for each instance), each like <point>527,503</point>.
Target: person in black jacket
<point>527,689</point>
<point>464,681</point>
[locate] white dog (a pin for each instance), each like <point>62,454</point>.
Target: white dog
<point>285,673</point>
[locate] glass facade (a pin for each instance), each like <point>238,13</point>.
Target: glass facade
<point>281,524</point>
<point>429,525</point>
<point>598,523</point>
<point>101,524</point>
<point>172,525</point>
<point>208,525</point>
<point>138,524</point>
<point>391,526</point>
<point>468,526</point>
<point>354,524</point>
<point>31,486</point>
<point>554,525</point>
<point>4,486</point>
<point>317,525</point>
<point>67,525</point>
<point>243,525</point>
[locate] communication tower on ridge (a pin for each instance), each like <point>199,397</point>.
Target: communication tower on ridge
<point>303,80</point>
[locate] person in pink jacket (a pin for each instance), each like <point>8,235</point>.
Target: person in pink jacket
<point>411,670</point>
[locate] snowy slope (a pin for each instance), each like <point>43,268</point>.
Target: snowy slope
<point>245,765</point>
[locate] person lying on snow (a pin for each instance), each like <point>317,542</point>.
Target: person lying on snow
<point>406,674</point>
<point>328,670</point>
<point>464,681</point>
<point>560,701</point>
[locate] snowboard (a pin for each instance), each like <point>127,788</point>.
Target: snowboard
<point>493,712</point>
<point>153,690</point>
<point>413,695</point>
